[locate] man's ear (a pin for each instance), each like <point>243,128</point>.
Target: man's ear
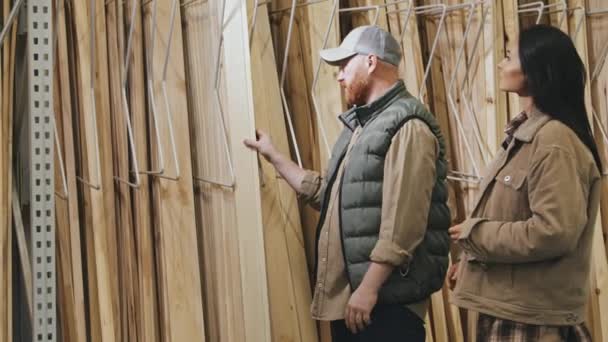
<point>372,63</point>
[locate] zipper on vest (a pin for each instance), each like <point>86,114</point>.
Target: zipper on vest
<point>342,231</point>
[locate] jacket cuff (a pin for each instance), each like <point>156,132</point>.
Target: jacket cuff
<point>468,226</point>
<point>310,185</point>
<point>388,252</point>
<point>467,229</point>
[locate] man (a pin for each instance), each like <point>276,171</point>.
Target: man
<point>382,241</point>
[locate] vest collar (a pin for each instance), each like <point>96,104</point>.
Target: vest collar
<point>359,116</point>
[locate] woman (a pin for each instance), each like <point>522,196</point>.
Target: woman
<point>526,261</point>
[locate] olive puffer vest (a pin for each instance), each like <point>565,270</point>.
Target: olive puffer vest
<point>360,197</point>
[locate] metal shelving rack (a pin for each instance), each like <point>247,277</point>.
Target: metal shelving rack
<point>40,83</point>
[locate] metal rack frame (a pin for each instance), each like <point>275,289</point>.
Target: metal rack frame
<point>40,82</point>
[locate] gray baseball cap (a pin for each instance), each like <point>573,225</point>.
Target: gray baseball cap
<point>365,40</point>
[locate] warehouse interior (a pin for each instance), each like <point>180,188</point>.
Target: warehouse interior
<point>131,209</point>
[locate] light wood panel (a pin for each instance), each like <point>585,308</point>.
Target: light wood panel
<point>180,294</point>
<point>289,289</point>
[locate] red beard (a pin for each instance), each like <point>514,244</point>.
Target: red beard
<point>356,93</point>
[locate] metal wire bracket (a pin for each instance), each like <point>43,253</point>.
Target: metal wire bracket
<point>11,17</point>
<point>63,195</point>
<point>126,110</point>
<point>230,184</point>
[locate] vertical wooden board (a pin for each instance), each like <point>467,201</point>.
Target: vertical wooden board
<point>288,286</point>
<point>65,292</point>
<point>146,304</point>
<point>104,125</point>
<point>599,285</point>
<point>239,112</point>
<point>412,68</point>
<point>78,326</point>
<point>327,91</point>
<point>215,209</point>
<point>180,283</point>
<point>496,99</point>
<point>5,188</point>
<point>450,44</point>
<point>124,238</point>
<point>454,322</point>
<point>298,82</point>
<point>436,90</point>
<point>440,327</point>
<point>558,19</point>
<point>597,40</point>
<point>511,33</point>
<point>369,16</point>
<point>479,85</point>
<point>98,217</point>
<point>428,326</point>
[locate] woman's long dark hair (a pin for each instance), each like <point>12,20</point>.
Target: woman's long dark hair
<point>555,79</point>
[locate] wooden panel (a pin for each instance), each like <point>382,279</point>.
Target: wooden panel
<point>239,112</point>
<point>215,209</point>
<point>599,286</point>
<point>99,210</point>
<point>146,301</point>
<point>511,29</point>
<point>179,281</point>
<point>124,224</point>
<point>327,91</point>
<point>77,326</point>
<point>597,39</point>
<point>289,289</point>
<point>298,81</point>
<point>6,146</point>
<point>496,99</point>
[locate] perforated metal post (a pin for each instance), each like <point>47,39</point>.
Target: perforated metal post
<point>40,82</point>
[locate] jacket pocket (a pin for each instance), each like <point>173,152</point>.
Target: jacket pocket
<point>511,178</point>
<point>510,196</point>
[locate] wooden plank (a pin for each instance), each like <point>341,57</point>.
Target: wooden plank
<point>412,67</point>
<point>367,17</point>
<point>327,91</point>
<point>511,33</point>
<point>289,289</point>
<point>496,99</point>
<point>596,27</point>
<point>147,305</point>
<point>215,211</point>
<point>298,82</point>
<point>6,255</point>
<point>105,142</point>
<point>428,326</point>
<point>558,19</point>
<point>98,216</point>
<point>599,285</point>
<point>454,322</point>
<point>239,110</point>
<point>70,293</point>
<point>180,283</point>
<point>124,224</point>
<point>440,328</point>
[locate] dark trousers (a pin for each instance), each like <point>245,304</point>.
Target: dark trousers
<point>390,323</point>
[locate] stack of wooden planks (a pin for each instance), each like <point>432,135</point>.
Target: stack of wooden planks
<point>169,229</point>
<point>7,75</point>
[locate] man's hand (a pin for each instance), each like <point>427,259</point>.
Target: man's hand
<point>455,232</point>
<point>452,276</point>
<point>359,309</point>
<point>262,145</point>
